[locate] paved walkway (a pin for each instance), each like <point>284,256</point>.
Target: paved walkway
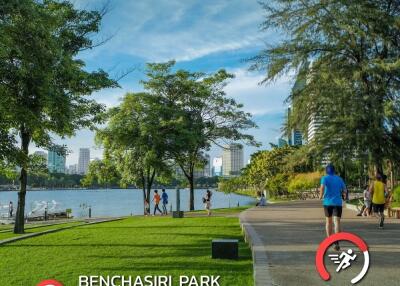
<point>285,237</point>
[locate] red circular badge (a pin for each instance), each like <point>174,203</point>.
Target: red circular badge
<point>50,282</point>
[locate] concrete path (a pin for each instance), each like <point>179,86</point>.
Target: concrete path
<point>285,237</point>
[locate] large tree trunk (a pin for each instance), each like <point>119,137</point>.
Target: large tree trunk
<point>20,215</point>
<point>191,195</point>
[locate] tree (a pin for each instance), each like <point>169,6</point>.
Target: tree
<point>44,84</point>
<point>346,53</point>
<point>195,113</point>
<point>133,141</point>
<point>101,173</point>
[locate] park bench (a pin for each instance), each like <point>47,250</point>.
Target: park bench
<point>225,248</point>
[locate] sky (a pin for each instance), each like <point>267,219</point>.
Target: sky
<point>201,36</point>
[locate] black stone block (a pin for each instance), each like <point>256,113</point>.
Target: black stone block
<point>177,214</point>
<point>225,248</point>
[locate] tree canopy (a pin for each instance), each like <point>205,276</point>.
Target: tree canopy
<point>44,84</point>
<point>346,53</point>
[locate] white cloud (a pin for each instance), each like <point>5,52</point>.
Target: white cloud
<point>159,30</point>
<point>258,99</point>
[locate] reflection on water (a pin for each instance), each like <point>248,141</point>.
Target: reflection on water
<point>116,202</point>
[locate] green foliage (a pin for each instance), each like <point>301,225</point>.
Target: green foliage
<point>277,185</point>
<point>44,85</point>
<point>234,184</point>
<point>133,142</point>
<point>195,113</point>
<point>396,194</point>
<point>345,58</point>
<point>304,182</point>
<point>101,173</point>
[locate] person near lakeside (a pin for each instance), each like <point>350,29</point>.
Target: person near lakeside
<point>378,192</point>
<point>207,202</point>
<point>332,191</point>
<point>164,197</point>
<point>11,209</point>
<point>367,202</point>
<point>146,207</point>
<point>156,200</point>
<point>262,201</point>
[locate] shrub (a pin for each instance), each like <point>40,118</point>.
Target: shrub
<point>396,194</point>
<point>304,182</point>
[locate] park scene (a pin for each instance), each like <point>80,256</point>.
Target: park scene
<point>199,143</point>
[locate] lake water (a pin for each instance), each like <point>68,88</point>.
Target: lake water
<point>113,202</point>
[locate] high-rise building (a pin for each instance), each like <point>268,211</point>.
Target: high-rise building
<point>217,166</point>
<point>72,169</point>
<point>84,160</point>
<point>55,162</point>
<point>41,154</point>
<point>207,167</point>
<point>232,160</point>
<point>313,125</point>
<point>295,137</point>
<point>204,171</point>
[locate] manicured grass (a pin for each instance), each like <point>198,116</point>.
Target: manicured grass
<point>133,246</point>
<point>38,228</point>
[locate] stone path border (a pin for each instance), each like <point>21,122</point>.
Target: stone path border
<point>260,259</point>
<point>17,238</point>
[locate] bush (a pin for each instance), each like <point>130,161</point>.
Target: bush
<point>304,182</point>
<point>396,194</point>
<point>277,185</point>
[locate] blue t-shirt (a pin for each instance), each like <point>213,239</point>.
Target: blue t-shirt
<point>334,186</point>
<point>164,198</point>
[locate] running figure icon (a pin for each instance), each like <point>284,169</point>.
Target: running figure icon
<point>344,260</point>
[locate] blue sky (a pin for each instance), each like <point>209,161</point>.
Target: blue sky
<point>199,35</point>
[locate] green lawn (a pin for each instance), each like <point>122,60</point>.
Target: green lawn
<point>133,246</point>
<point>37,228</point>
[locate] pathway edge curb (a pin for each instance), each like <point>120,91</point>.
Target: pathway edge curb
<point>261,274</point>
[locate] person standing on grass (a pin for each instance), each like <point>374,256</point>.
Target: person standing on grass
<point>207,202</point>
<point>378,192</point>
<point>332,191</point>
<point>11,209</point>
<point>156,200</point>
<point>164,197</point>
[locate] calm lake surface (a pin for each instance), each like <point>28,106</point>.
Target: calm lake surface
<point>112,202</point>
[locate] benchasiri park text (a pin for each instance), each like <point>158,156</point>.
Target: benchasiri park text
<point>149,280</point>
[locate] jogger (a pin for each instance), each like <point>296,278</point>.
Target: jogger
<point>378,191</point>
<point>332,190</point>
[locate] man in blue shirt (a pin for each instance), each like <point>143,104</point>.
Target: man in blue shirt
<point>332,190</point>
<point>164,198</point>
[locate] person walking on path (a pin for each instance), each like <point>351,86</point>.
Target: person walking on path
<point>207,202</point>
<point>164,197</point>
<point>11,209</point>
<point>367,202</point>
<point>378,191</point>
<point>332,191</point>
<point>156,200</point>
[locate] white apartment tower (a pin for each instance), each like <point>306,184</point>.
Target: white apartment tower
<point>84,160</point>
<point>232,160</point>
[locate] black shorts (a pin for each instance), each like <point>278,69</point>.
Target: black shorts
<point>379,208</point>
<point>333,210</point>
